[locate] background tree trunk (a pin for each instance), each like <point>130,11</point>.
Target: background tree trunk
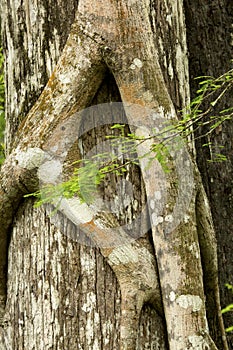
<point>210,53</point>
<point>62,294</point>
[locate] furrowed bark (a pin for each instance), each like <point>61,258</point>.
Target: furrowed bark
<point>139,79</point>
<point>71,87</point>
<point>208,245</point>
<point>67,91</point>
<point>126,44</point>
<point>132,261</point>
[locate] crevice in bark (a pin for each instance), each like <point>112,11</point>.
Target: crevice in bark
<point>142,84</point>
<point>207,238</point>
<point>210,52</point>
<point>130,312</point>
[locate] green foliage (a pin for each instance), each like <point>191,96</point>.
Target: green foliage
<point>89,173</point>
<point>228,308</point>
<point>202,109</point>
<point>2,114</point>
<point>82,184</point>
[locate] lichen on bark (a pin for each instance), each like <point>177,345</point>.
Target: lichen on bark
<point>128,50</point>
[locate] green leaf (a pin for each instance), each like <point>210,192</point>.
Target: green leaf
<point>229,329</point>
<point>230,109</point>
<point>207,144</point>
<point>217,157</point>
<point>118,126</point>
<point>204,76</point>
<point>227,309</point>
<point>229,286</point>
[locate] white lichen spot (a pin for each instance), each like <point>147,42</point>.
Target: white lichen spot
<point>33,13</point>
<point>96,345</point>
<point>169,19</point>
<point>106,341</point>
<point>148,96</point>
<point>124,255</point>
<point>190,301</point>
<point>182,71</point>
<point>55,299</point>
<point>90,302</point>
<point>107,328</point>
<point>50,171</point>
<point>143,131</point>
<point>132,66</point>
<point>231,41</point>
<point>206,202</point>
<point>20,322</point>
<point>77,212</point>
<point>64,78</point>
<point>156,219</point>
<point>158,195</point>
<point>31,158</point>
<point>87,263</point>
<point>170,71</point>
<point>186,218</point>
<point>161,46</point>
<point>137,62</point>
<point>96,318</point>
<point>135,204</point>
<point>169,218</point>
<point>172,296</point>
<point>193,248</point>
<point>152,204</point>
<point>89,331</point>
<point>197,342</point>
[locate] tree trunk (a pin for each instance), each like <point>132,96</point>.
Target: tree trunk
<point>211,54</point>
<point>90,280</point>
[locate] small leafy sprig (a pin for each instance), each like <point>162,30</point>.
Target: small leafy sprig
<point>228,308</point>
<point>211,90</point>
<point>89,173</point>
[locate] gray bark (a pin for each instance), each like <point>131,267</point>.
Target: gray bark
<point>57,289</point>
<point>211,54</point>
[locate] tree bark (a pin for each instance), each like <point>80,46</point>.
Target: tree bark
<point>210,47</point>
<point>127,42</point>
